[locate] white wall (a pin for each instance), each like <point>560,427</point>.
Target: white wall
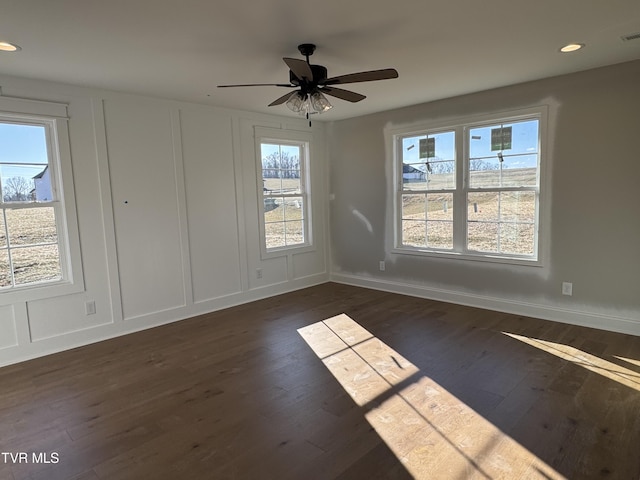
<point>167,205</point>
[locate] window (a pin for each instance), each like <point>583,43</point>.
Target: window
<point>35,246</point>
<point>472,189</point>
<point>283,190</point>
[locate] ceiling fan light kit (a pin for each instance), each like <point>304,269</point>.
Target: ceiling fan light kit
<point>313,84</point>
<point>308,104</point>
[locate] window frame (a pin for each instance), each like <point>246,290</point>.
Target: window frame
<point>54,118</point>
<point>462,127</point>
<point>302,140</point>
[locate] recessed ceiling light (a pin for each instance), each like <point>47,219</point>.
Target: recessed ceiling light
<point>571,47</point>
<point>9,47</point>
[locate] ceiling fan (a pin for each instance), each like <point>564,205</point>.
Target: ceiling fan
<point>312,84</point>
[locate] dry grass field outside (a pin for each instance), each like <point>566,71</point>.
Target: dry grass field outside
<point>499,222</point>
<point>283,215</point>
<point>33,241</point>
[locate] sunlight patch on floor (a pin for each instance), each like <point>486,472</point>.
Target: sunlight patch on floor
<point>632,361</point>
<point>608,369</point>
<point>433,433</point>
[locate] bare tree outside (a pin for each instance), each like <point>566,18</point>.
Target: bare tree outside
<point>280,165</point>
<point>16,189</point>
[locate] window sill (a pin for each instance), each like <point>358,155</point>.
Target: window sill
<point>480,257</point>
<point>39,292</point>
<point>286,251</point>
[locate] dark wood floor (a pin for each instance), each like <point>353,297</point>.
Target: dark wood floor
<point>241,394</point>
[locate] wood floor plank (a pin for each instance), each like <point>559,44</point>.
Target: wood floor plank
<point>243,393</point>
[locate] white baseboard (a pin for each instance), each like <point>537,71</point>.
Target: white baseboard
<point>602,321</point>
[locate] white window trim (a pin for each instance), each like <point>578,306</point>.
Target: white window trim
<point>54,116</point>
<point>462,125</point>
<point>292,137</point>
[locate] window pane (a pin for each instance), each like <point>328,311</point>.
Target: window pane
<point>5,272</point>
<point>517,238</point>
<point>414,233</point>
<point>282,185</point>
<point>22,143</point>
<point>445,145</point>
<point>431,234</point>
<point>512,161</point>
<point>509,215</point>
<point>18,184</point>
<point>427,220</point>
<point>428,161</point>
<point>29,226</point>
<point>520,171</point>
<point>440,234</point>
<point>518,207</point>
<point>23,163</point>
<point>414,207</point>
<point>441,175</point>
<point>281,167</point>
<point>271,204</point>
<point>35,264</point>
<point>483,206</point>
<point>274,209</point>
<point>273,184</point>
<point>480,142</point>
<point>282,175</point>
<point>270,156</point>
<point>42,186</point>
<point>482,236</point>
<point>270,180</point>
<point>290,157</point>
<point>440,206</point>
<point>274,235</point>
<point>287,227</point>
<point>293,208</point>
<point>294,232</point>
<point>414,176</point>
<point>484,173</point>
<point>291,184</point>
<point>524,137</point>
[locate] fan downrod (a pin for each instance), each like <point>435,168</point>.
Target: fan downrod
<point>307,49</point>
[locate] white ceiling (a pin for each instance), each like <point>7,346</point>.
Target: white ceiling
<point>182,49</point>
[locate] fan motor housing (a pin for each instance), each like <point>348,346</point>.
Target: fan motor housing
<point>319,75</point>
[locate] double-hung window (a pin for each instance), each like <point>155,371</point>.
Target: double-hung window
<point>38,256</point>
<point>472,189</point>
<point>283,190</point>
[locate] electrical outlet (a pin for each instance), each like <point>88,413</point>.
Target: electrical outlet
<point>90,307</point>
<point>567,288</point>
<point>382,265</point>
<point>258,273</point>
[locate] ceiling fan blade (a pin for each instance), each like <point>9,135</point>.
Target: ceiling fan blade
<point>300,68</point>
<point>281,100</point>
<point>347,95</point>
<point>258,85</point>
<point>369,76</point>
